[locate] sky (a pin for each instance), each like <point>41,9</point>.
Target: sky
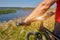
<point>20,3</point>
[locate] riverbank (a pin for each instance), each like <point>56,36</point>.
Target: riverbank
<point>7,11</point>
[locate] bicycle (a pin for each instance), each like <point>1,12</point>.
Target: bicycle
<point>38,36</point>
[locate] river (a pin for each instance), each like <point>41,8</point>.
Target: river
<point>18,14</point>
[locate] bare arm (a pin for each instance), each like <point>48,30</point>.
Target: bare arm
<point>41,9</point>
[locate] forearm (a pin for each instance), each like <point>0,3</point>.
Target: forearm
<point>41,9</point>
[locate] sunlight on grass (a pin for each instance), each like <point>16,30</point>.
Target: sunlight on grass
<point>9,31</point>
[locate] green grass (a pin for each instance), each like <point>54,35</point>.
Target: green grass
<point>7,11</point>
<point>9,31</point>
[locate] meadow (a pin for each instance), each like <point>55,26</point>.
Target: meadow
<point>9,30</point>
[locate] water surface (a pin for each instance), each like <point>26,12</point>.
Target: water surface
<point>18,14</point>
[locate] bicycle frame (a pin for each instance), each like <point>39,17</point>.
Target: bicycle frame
<point>47,33</point>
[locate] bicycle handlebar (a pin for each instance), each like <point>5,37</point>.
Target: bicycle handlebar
<point>23,23</point>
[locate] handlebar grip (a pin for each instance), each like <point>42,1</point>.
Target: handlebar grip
<point>21,23</point>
